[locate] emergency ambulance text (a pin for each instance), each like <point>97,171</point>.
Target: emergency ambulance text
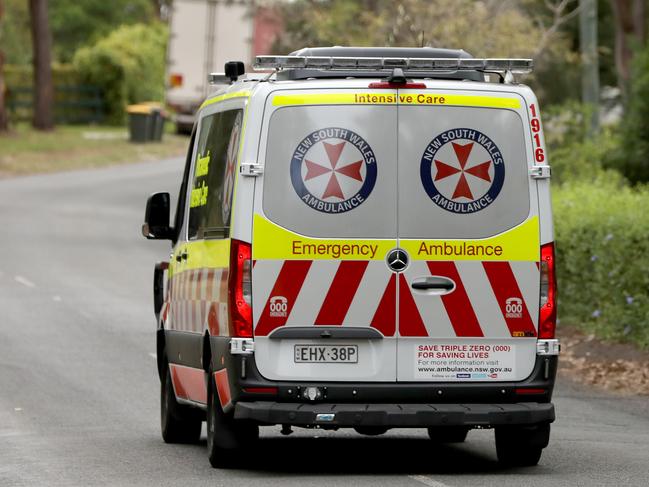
<point>334,251</point>
<point>459,249</point>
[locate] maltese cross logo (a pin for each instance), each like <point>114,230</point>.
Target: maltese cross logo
<point>463,189</point>
<point>333,170</point>
<point>462,170</point>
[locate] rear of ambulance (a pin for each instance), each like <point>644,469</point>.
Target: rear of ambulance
<point>403,261</point>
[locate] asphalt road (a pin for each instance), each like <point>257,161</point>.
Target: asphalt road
<point>79,388</point>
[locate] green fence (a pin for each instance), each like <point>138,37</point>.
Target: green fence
<point>72,104</point>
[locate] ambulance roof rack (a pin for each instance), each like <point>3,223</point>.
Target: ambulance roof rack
<point>425,62</point>
<point>223,79</point>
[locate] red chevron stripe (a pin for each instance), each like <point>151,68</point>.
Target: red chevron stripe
<point>385,318</point>
<point>410,322</point>
<point>504,285</point>
<point>223,388</point>
<point>341,292</point>
<point>457,303</point>
<point>288,284</point>
<point>189,383</point>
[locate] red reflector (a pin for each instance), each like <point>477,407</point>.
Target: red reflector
<point>530,391</point>
<point>261,390</point>
<point>395,86</point>
<point>239,289</point>
<point>548,309</point>
<point>176,80</point>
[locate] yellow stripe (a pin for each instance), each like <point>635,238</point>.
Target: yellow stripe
<point>227,96</point>
<point>407,98</point>
<point>271,241</point>
<point>274,242</point>
<point>201,254</point>
<point>520,243</point>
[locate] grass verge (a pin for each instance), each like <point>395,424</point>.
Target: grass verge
<point>27,151</point>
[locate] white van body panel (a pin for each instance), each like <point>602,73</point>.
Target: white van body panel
<point>392,358</point>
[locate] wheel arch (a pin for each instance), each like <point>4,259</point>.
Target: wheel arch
<point>161,353</point>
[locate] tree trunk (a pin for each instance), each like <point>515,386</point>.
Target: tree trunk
<point>4,120</point>
<point>43,85</point>
<point>630,29</point>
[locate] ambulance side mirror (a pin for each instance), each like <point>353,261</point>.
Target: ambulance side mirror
<point>156,217</point>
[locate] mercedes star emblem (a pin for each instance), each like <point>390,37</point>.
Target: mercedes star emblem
<point>397,260</point>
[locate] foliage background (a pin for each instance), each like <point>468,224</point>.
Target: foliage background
<point>602,257</point>
<point>128,65</point>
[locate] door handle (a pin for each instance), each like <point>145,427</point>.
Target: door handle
<point>433,284</point>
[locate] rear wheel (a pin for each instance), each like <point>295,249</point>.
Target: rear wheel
<point>226,437</point>
<point>521,446</point>
<point>448,434</point>
<point>179,424</point>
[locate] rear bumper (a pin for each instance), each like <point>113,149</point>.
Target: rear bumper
<point>396,415</point>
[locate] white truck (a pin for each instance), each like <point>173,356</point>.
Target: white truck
<point>203,35</point>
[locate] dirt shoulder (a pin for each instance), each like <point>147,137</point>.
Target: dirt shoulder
<point>615,367</point>
<point>26,151</point>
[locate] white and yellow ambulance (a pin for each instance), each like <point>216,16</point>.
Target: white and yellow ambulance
<point>363,239</point>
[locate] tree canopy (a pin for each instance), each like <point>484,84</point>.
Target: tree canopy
<point>73,23</point>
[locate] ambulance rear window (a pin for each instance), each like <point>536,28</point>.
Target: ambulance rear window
<point>463,172</point>
<point>406,171</point>
<point>330,172</point>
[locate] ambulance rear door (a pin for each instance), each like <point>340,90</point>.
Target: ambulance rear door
<point>324,301</point>
<point>468,222</point>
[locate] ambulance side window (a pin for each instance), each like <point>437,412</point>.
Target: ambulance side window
<point>180,206</point>
<point>214,175</point>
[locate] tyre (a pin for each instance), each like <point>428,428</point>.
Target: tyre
<point>448,434</point>
<point>226,437</point>
<point>370,430</point>
<point>179,424</point>
<point>521,446</point>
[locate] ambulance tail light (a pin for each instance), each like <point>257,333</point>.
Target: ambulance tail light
<point>548,308</point>
<point>240,289</point>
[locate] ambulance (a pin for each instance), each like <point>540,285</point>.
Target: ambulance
<point>362,239</point>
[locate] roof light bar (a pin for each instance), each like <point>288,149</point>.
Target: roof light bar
<point>519,66</point>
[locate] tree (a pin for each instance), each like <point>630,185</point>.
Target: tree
<point>443,23</point>
<point>43,84</point>
<point>487,28</point>
<point>77,23</point>
<point>4,122</point>
<point>632,158</point>
<point>630,33</point>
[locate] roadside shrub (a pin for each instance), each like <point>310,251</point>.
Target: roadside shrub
<point>572,154</point>
<point>632,156</point>
<point>602,230</point>
<point>128,65</point>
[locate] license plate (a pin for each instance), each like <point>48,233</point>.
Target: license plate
<point>326,354</point>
